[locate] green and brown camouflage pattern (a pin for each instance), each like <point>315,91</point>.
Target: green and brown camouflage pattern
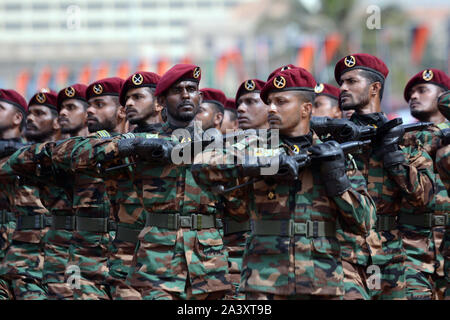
<point>280,265</point>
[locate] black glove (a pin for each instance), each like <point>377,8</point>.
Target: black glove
<point>8,147</point>
<point>288,166</point>
<point>332,167</point>
<point>387,147</point>
<point>153,149</point>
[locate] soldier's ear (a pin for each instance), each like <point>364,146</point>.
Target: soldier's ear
<point>121,114</point>
<point>375,88</point>
<point>306,109</point>
<point>218,118</point>
<point>17,119</point>
<point>161,100</point>
<point>200,93</point>
<point>55,124</point>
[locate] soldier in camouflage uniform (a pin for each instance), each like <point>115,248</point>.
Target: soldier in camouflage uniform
<point>13,108</point>
<point>423,237</point>
<point>89,243</point>
<point>34,162</point>
<point>180,253</point>
<point>443,168</point>
<point>292,251</point>
<point>252,114</point>
<point>398,178</point>
<point>23,263</point>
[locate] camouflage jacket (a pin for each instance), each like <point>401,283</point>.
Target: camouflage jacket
<point>403,187</point>
<point>281,264</point>
<point>166,189</point>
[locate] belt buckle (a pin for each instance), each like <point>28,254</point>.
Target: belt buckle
<point>300,228</point>
<point>439,220</point>
<point>185,222</point>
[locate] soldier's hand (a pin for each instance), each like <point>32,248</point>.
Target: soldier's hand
<point>332,166</point>
<point>148,149</point>
<point>387,147</point>
<point>154,149</point>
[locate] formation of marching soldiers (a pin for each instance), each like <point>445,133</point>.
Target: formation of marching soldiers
<point>152,188</point>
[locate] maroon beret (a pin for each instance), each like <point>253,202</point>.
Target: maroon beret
<point>327,90</point>
<point>137,80</point>
<point>286,67</point>
<point>76,91</point>
<point>434,76</point>
<point>249,86</point>
<point>13,97</point>
<point>214,96</point>
<point>45,98</point>
<point>178,72</point>
<point>104,87</point>
<point>297,79</point>
<point>230,104</point>
<point>363,61</point>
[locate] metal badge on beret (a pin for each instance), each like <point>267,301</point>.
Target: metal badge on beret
<point>40,97</point>
<point>427,75</point>
<point>97,89</point>
<point>137,79</point>
<point>350,61</point>
<point>319,88</point>
<point>70,92</point>
<point>197,72</point>
<point>279,82</point>
<point>250,85</point>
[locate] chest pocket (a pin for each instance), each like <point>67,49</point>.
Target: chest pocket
<point>271,199</point>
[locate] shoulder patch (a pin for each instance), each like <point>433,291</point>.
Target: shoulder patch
<point>151,135</point>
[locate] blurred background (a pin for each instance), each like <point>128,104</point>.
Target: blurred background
<point>55,43</point>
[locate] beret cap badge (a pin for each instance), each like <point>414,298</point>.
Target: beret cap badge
<point>250,85</point>
<point>427,75</point>
<point>350,61</point>
<point>97,88</point>
<point>40,97</point>
<point>70,92</point>
<point>137,79</point>
<point>279,82</point>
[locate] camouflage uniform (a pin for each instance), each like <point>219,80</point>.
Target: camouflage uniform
<point>7,226</point>
<point>91,238</point>
<point>280,263</point>
<point>23,263</point>
<point>34,163</point>
<point>125,192</point>
<point>426,264</point>
<point>171,262</point>
<point>443,167</point>
<point>406,186</point>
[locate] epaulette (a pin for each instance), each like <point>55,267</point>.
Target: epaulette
<point>152,135</point>
<point>443,125</point>
<point>102,134</point>
<point>129,135</point>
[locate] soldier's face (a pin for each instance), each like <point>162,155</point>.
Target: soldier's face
<point>72,116</point>
<point>325,106</point>
<point>252,111</point>
<point>354,90</point>
<point>182,100</point>
<point>102,113</point>
<point>209,116</point>
<point>140,105</point>
<point>229,123</point>
<point>40,123</point>
<point>9,116</point>
<point>284,111</point>
<point>423,100</point>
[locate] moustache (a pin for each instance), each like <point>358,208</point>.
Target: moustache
<point>185,103</point>
<point>273,117</point>
<point>92,119</point>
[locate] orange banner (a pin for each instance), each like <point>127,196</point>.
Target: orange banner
<point>419,43</point>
